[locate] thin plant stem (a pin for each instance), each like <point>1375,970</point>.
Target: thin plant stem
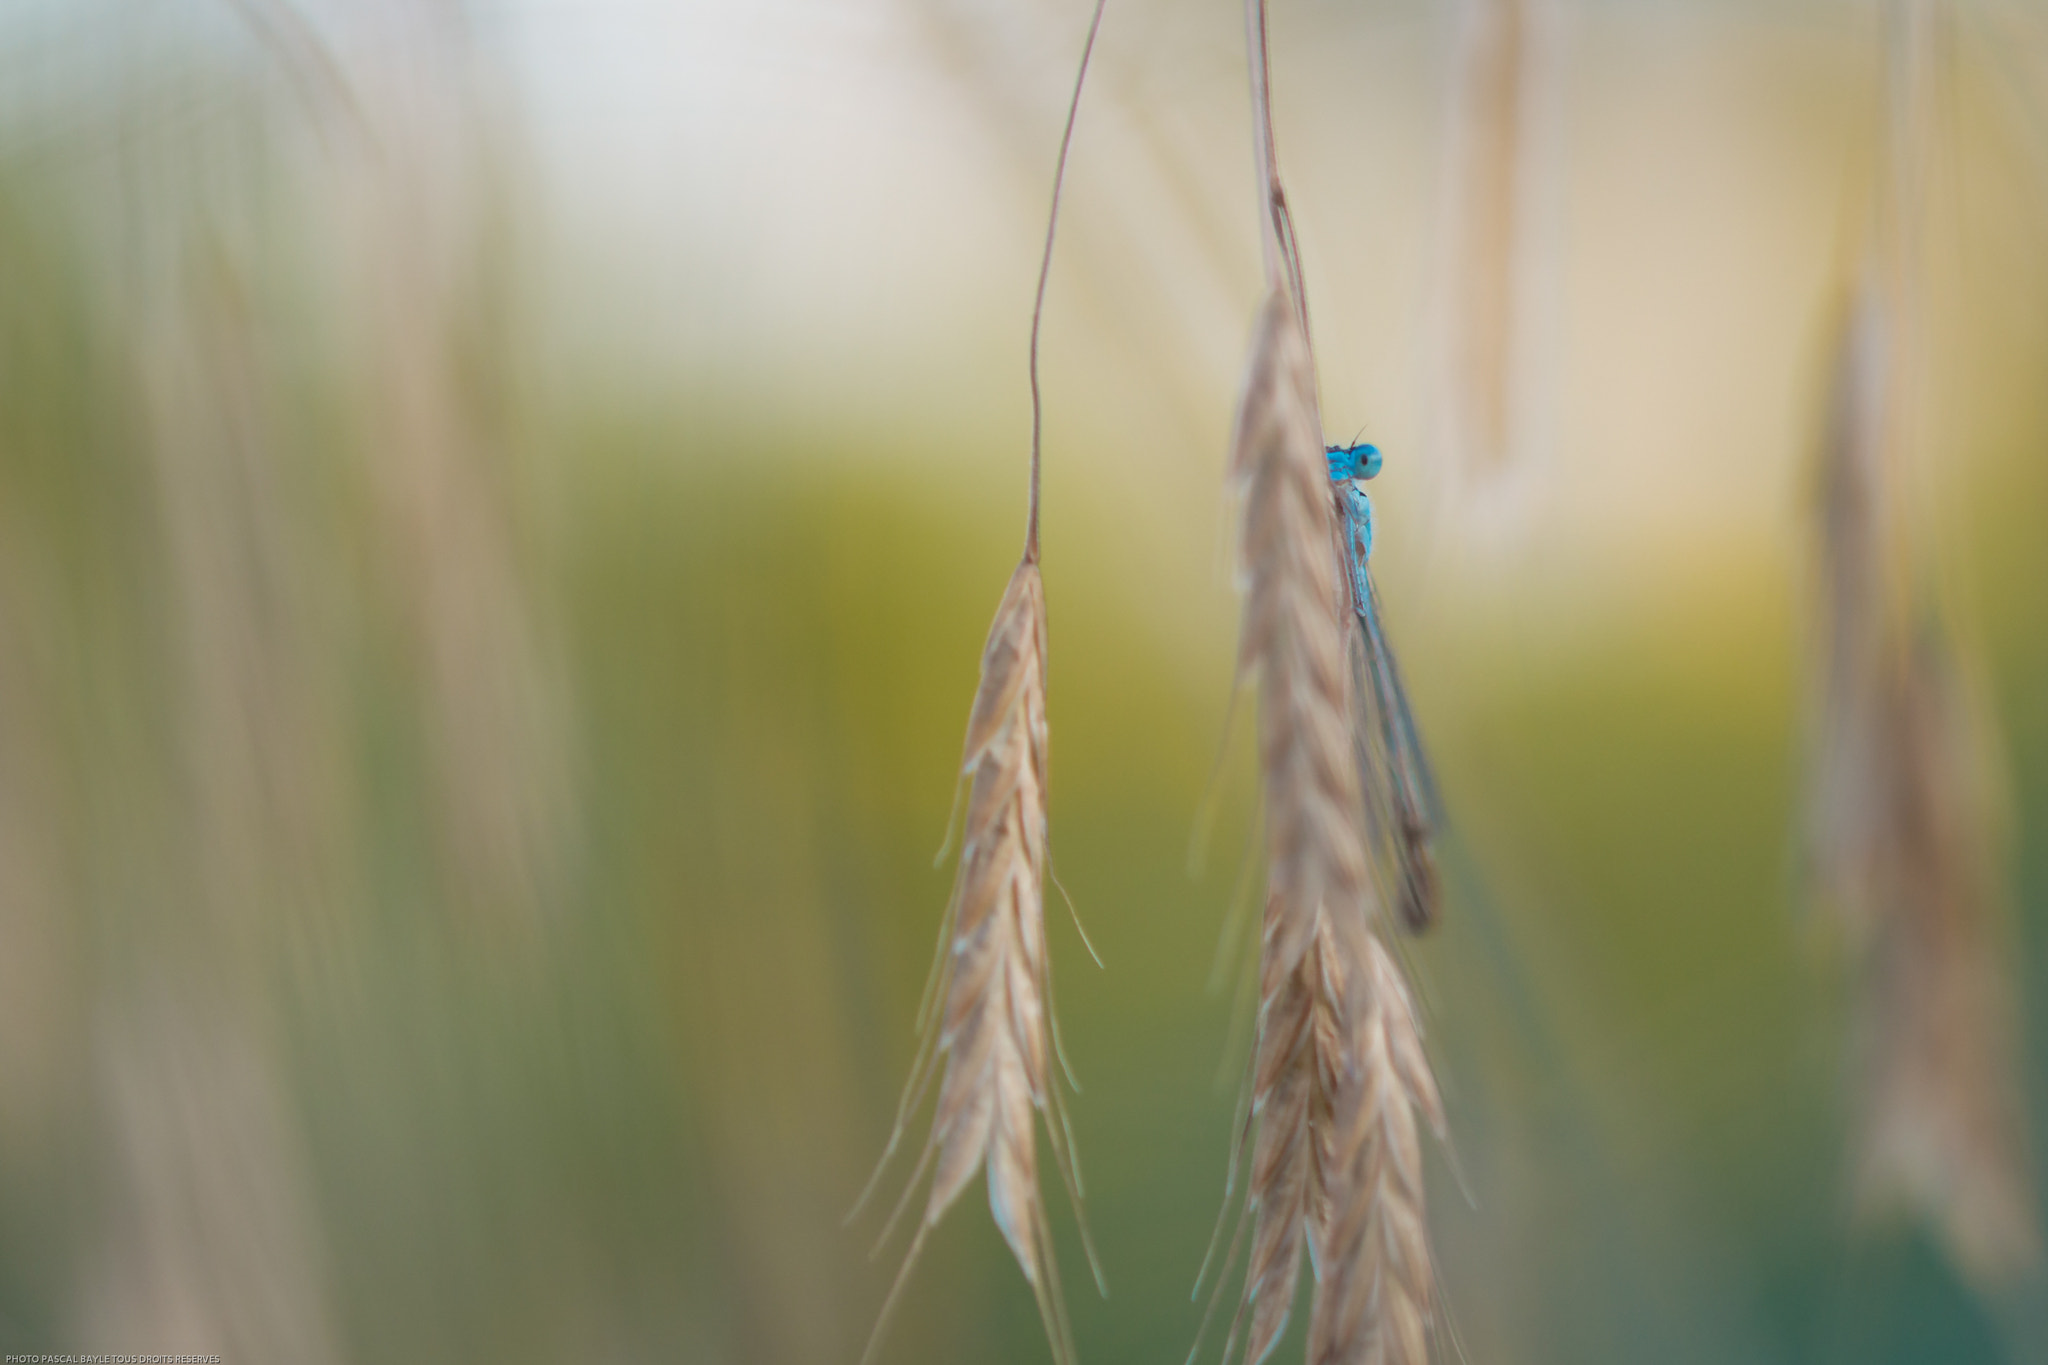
<point>1052,222</point>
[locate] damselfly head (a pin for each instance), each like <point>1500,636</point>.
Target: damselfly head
<point>1356,461</point>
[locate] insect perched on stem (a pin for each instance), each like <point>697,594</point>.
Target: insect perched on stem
<point>1401,805</point>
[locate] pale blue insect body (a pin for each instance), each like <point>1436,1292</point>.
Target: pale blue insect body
<point>1349,466</point>
<point>1353,462</point>
<point>1400,794</point>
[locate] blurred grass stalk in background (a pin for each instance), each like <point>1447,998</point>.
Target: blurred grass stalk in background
<point>262,528</point>
<point>1501,92</point>
<point>1904,828</point>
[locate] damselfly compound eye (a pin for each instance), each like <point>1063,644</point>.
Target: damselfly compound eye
<point>1355,461</point>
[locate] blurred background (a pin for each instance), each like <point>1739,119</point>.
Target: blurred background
<point>500,503</point>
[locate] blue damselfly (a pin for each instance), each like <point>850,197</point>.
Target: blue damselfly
<point>1401,805</point>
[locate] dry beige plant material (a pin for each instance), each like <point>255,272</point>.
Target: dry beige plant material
<point>1902,854</point>
<point>991,985</point>
<point>1901,817</point>
<point>1338,1072</point>
<point>1316,871</point>
<point>1375,1305</point>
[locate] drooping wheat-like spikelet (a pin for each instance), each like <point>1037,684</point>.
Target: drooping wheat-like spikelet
<point>1325,1092</point>
<point>1338,1070</point>
<point>990,988</point>
<point>1293,640</point>
<point>991,985</point>
<point>1378,1282</point>
<point>1316,868</point>
<point>1294,1083</point>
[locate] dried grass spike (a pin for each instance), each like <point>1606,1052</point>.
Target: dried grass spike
<point>1317,879</point>
<point>1377,1292</point>
<point>992,1033</point>
<point>1293,639</point>
<point>1299,1047</point>
<point>992,982</point>
<point>1338,1071</point>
